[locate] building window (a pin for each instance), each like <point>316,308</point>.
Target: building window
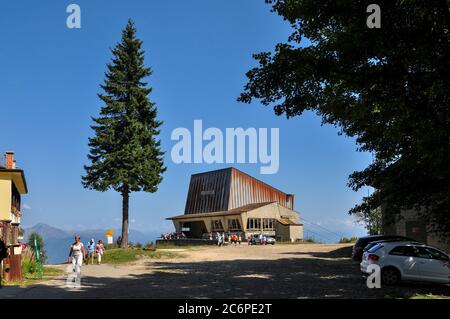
<point>216,225</point>
<point>254,224</point>
<point>234,224</point>
<point>268,224</point>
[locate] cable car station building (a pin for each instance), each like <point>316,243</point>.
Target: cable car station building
<point>231,201</point>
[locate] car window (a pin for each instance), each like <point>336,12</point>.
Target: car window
<point>431,253</point>
<point>397,251</point>
<point>409,251</point>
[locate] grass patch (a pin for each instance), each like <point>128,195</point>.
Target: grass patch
<point>120,255</point>
<point>170,245</point>
<point>429,296</point>
<point>29,278</point>
<point>345,240</point>
<point>397,293</point>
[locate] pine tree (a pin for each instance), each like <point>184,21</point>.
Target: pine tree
<point>125,152</point>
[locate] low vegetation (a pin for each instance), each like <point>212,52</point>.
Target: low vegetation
<point>309,240</point>
<point>345,240</point>
<point>429,296</point>
<point>31,275</point>
<point>121,255</point>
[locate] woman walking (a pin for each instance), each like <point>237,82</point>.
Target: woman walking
<point>77,254</point>
<point>99,251</point>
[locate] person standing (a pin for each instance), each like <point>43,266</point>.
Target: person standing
<point>77,254</point>
<point>91,250</point>
<point>223,238</point>
<point>219,239</point>
<point>3,255</point>
<point>99,251</point>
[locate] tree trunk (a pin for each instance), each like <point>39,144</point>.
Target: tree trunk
<point>125,200</point>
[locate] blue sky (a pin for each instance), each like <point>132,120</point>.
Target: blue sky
<point>199,52</point>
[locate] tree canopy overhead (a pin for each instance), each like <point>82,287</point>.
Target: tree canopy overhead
<point>388,87</point>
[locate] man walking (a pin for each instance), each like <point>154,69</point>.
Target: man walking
<point>91,251</point>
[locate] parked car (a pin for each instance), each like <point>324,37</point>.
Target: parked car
<point>370,245</point>
<point>271,240</point>
<point>254,239</point>
<point>408,261</point>
<point>358,248</point>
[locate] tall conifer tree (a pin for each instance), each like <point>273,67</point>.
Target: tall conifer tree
<point>125,152</point>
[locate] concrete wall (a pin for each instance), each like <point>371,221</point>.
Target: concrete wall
<point>5,199</point>
<point>296,232</point>
<point>402,227</point>
<point>289,214</point>
<point>289,232</point>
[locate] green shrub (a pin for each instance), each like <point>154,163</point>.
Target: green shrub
<point>345,240</point>
<point>309,240</point>
<point>149,246</point>
<point>40,245</point>
<point>29,267</point>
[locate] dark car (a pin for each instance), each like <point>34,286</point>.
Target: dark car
<point>371,244</point>
<point>361,243</point>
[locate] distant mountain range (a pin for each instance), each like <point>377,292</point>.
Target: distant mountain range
<point>57,241</point>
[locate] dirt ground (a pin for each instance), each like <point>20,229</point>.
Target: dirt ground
<point>279,271</point>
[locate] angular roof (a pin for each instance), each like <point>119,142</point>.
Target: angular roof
<point>229,188</point>
<point>18,178</point>
<point>288,222</point>
<point>231,212</point>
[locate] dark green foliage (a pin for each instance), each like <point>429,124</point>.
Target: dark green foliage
<point>125,152</point>
<point>371,219</point>
<point>388,87</point>
<point>40,245</point>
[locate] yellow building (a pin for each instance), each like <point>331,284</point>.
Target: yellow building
<point>12,186</point>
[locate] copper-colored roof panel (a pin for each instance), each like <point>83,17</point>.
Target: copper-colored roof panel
<point>208,192</point>
<point>229,188</point>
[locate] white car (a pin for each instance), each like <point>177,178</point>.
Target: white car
<point>271,240</point>
<point>408,261</point>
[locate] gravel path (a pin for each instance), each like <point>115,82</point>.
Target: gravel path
<point>279,271</point>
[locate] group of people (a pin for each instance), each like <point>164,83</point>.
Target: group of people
<point>222,238</point>
<point>78,254</point>
<point>171,236</point>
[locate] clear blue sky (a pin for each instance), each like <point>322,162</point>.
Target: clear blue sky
<point>199,52</point>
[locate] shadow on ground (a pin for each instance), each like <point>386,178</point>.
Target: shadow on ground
<point>343,252</point>
<point>335,277</point>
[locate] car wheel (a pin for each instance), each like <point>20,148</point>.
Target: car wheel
<point>390,276</point>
